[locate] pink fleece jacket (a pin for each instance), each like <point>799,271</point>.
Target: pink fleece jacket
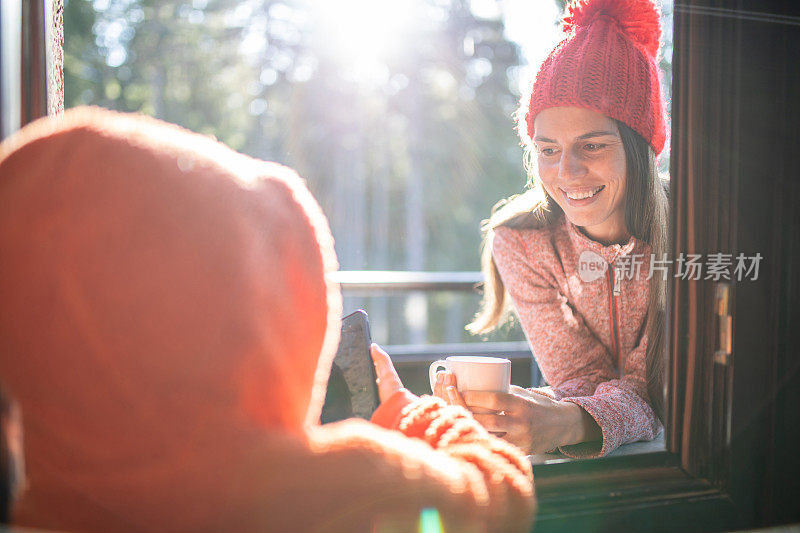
<point>587,338</point>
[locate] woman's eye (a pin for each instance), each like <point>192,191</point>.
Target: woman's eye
<point>593,147</point>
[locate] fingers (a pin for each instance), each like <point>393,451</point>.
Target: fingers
<point>438,388</point>
<point>490,400</point>
<point>444,379</point>
<point>493,422</point>
<point>445,388</point>
<point>383,363</point>
<point>388,380</point>
<point>454,397</point>
<point>497,422</point>
<point>510,428</point>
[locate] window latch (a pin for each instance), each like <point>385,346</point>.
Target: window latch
<point>722,303</point>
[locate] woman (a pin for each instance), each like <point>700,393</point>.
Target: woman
<point>167,326</point>
<point>574,251</point>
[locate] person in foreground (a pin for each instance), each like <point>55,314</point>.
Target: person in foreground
<point>167,326</point>
<point>573,252</point>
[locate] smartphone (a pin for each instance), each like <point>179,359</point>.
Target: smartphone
<point>352,385</point>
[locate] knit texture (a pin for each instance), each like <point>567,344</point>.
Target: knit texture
<point>571,331</point>
<point>167,326</point>
<point>607,62</point>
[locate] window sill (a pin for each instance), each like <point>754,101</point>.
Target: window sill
<point>627,491</point>
<point>634,448</point>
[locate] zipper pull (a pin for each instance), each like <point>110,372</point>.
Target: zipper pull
<point>617,280</point>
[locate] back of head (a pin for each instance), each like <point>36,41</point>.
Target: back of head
<point>163,298</point>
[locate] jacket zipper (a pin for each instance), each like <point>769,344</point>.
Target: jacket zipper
<point>614,290</point>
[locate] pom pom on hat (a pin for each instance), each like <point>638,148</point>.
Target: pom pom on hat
<point>639,19</point>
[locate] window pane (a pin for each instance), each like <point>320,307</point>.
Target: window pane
<point>397,113</point>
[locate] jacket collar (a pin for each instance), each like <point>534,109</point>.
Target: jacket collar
<point>610,253</point>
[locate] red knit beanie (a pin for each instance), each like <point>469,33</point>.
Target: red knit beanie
<point>607,62</point>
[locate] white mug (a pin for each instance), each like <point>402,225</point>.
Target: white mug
<point>475,372</point>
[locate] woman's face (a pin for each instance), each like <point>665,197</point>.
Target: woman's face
<point>581,163</point>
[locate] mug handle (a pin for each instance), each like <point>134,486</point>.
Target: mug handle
<point>434,368</point>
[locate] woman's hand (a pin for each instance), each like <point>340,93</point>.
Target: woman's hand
<point>444,380</point>
<point>388,380</point>
<point>534,422</point>
<point>445,388</point>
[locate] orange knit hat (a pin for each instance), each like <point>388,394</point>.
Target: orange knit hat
<point>138,257</point>
<point>165,312</point>
<point>607,62</point>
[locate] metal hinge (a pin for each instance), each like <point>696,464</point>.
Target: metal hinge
<point>722,291</point>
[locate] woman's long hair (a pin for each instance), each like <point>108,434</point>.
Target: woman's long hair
<point>646,217</point>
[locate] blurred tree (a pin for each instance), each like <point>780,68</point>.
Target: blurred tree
<point>406,165</point>
<point>85,69</point>
<point>398,114</point>
<point>178,61</point>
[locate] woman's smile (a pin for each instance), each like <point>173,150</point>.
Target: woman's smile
<point>582,196</point>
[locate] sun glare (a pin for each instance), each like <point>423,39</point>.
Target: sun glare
<point>364,34</point>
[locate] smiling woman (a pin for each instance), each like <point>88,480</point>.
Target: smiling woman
<point>593,125</point>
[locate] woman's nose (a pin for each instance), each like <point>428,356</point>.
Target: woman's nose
<point>570,166</point>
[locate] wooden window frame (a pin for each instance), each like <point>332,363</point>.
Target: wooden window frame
<point>37,88</point>
<point>732,418</point>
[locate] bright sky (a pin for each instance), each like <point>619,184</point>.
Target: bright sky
<point>350,23</point>
<point>532,24</point>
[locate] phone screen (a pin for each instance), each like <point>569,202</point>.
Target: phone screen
<point>352,388</point>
